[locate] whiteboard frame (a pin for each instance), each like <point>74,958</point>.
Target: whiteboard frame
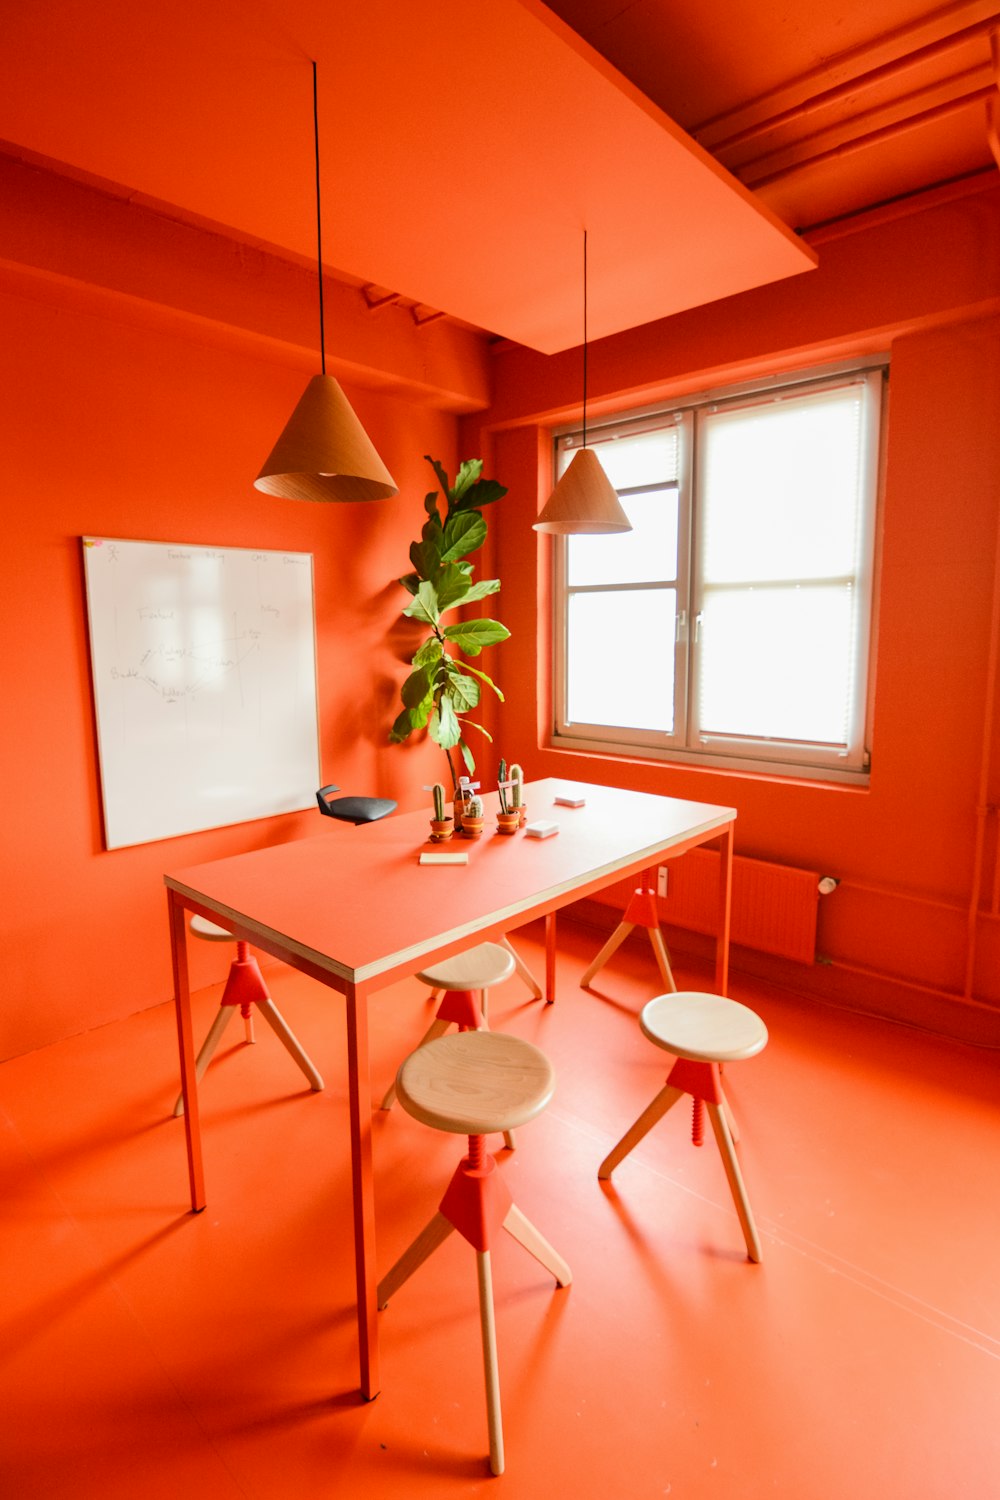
<point>204,674</point>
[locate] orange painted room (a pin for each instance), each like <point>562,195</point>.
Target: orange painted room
<point>784,196</point>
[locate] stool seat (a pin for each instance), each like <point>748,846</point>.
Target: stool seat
<point>203,928</point>
<point>703,1027</point>
<point>475,1082</point>
<point>477,969</point>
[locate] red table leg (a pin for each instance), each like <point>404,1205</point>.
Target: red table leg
<point>725,906</point>
<point>185,1040</point>
<point>550,958</point>
<point>362,1186</point>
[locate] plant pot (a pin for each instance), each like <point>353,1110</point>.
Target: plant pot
<point>472,828</point>
<point>508,822</point>
<point>522,816</point>
<point>441,829</point>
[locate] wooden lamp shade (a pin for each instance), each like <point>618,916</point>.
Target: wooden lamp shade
<point>584,502</point>
<point>324,452</point>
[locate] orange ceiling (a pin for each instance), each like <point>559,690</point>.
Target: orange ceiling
<point>466,144</point>
<point>465,147</point>
<point>840,106</point>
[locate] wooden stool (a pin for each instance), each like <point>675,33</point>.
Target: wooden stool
<point>701,1031</point>
<point>245,988</point>
<point>473,1083</point>
<point>461,978</point>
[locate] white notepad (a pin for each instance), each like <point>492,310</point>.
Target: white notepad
<point>444,859</point>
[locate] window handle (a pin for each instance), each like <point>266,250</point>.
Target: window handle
<point>680,627</point>
<point>697,627</point>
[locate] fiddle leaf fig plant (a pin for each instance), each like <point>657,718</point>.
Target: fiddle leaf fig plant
<point>442,687</point>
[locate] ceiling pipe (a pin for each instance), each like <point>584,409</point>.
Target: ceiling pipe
<point>873,137</point>
<point>837,92</point>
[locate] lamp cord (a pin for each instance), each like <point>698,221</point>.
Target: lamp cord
<point>584,338</point>
<point>319,225</point>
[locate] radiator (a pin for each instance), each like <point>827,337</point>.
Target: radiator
<point>774,906</point>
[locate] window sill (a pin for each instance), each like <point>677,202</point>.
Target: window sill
<point>784,773</point>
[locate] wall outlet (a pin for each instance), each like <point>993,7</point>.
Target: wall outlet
<point>661,880</point>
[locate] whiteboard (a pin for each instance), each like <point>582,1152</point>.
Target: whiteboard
<point>204,673</point>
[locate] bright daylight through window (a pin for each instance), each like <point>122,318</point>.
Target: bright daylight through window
<point>731,626</point>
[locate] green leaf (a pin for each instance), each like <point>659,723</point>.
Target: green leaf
<point>425,605</point>
<point>452,587</point>
<point>484,732</point>
<point>463,692</point>
<point>425,558</point>
<point>463,533</point>
<point>410,583</point>
<point>430,652</point>
<point>467,756</point>
<point>431,503</point>
<point>442,477</point>
<point>472,635</point>
<point>486,492</point>
<point>409,720</point>
<point>417,687</point>
<point>444,726</point>
<point>468,667</point>
<point>481,589</point>
<point>468,475</point>
<point>432,531</point>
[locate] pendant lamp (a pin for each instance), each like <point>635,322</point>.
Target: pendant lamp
<point>584,501</point>
<point>324,452</point>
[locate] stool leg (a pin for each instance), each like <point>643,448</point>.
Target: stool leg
<point>735,1179</point>
<point>522,1230</point>
<point>223,1017</point>
<point>665,1099</point>
<point>490,1366</point>
<point>522,969</point>
<point>662,958</point>
<point>612,945</point>
<point>641,912</point>
<point>272,1015</point>
<point>427,1241</point>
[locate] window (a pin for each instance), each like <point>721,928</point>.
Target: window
<point>731,625</point>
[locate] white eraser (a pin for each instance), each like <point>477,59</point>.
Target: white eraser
<point>570,801</point>
<point>540,830</point>
<point>444,859</point>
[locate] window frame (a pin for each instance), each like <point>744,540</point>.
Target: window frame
<point>742,754</point>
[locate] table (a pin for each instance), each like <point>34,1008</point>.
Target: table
<point>354,909</point>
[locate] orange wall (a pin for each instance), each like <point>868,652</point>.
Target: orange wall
<point>119,428</point>
<point>927,286</point>
<point>141,405</point>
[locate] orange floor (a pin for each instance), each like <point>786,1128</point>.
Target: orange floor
<point>146,1353</point>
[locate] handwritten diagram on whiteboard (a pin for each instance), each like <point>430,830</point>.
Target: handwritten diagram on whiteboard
<point>204,673</point>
